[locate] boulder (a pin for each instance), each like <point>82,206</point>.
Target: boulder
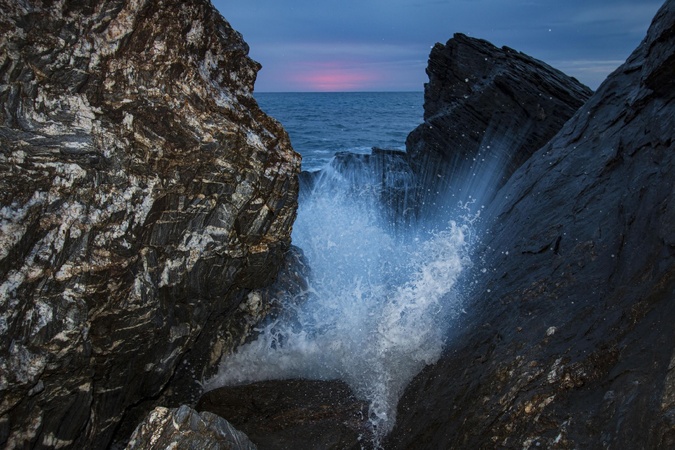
<point>144,196</point>
<point>294,414</point>
<point>186,429</point>
<point>569,337</point>
<point>486,110</point>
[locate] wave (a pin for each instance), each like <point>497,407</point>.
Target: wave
<point>379,305</point>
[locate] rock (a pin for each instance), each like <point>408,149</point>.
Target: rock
<point>382,178</point>
<point>307,181</point>
<point>238,326</point>
<point>486,110</point>
<point>186,429</point>
<point>383,175</point>
<point>294,414</point>
<point>569,340</point>
<point>144,196</point>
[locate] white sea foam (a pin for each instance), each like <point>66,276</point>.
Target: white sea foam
<point>379,309</point>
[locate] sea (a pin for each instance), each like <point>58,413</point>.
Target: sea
<point>380,304</point>
<point>321,124</point>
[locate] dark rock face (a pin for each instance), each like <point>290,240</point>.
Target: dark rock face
<point>294,414</point>
<point>186,429</point>
<point>570,340</point>
<point>486,110</point>
<point>143,195</point>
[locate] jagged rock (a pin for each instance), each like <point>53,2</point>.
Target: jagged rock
<point>307,181</point>
<point>570,338</point>
<point>294,414</point>
<point>383,174</point>
<point>186,429</point>
<point>143,196</point>
<point>486,110</point>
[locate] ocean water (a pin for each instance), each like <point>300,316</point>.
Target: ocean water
<point>380,304</point>
<point>323,123</point>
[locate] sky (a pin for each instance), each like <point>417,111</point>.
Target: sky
<point>384,45</point>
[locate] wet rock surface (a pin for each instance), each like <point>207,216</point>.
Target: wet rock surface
<point>486,110</point>
<point>384,175</point>
<point>293,414</point>
<point>144,197</point>
<point>186,429</point>
<point>147,203</point>
<point>569,340</point>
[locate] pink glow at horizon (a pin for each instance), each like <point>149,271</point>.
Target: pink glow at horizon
<point>335,77</point>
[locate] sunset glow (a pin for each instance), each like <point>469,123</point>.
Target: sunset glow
<point>384,46</point>
<point>335,77</point>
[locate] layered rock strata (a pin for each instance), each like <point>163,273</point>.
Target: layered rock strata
<point>569,341</point>
<point>486,110</point>
<point>143,195</point>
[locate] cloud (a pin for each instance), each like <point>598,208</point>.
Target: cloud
<point>399,33</point>
<point>590,72</point>
<point>332,49</point>
<point>328,65</point>
<point>342,74</point>
<point>632,14</point>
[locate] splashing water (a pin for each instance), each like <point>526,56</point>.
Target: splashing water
<point>379,308</point>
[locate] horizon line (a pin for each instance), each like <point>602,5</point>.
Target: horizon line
<point>338,92</point>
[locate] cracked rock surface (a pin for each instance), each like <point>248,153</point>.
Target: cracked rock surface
<point>143,196</point>
<point>486,111</point>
